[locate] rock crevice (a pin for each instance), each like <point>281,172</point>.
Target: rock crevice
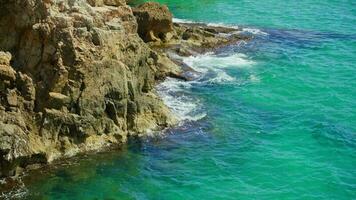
<point>79,75</point>
<point>75,76</point>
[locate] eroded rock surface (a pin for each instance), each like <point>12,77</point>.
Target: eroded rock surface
<point>75,76</point>
<point>155,22</point>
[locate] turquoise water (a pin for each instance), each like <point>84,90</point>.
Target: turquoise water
<point>271,119</point>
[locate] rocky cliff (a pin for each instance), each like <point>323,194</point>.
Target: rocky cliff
<point>75,76</point>
<point>79,75</point>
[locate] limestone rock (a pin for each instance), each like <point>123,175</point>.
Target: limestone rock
<point>6,71</point>
<point>80,79</point>
<point>154,21</point>
<point>57,100</point>
<point>81,76</point>
<point>5,58</point>
<point>106,2</point>
<point>12,146</point>
<point>26,87</point>
<point>114,2</point>
<point>12,98</point>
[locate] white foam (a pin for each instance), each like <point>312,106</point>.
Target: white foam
<point>209,60</point>
<point>221,77</point>
<point>223,25</point>
<point>213,64</point>
<point>18,193</point>
<point>176,20</point>
<point>184,107</point>
<point>254,31</point>
<point>212,68</point>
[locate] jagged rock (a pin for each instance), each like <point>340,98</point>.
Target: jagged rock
<point>57,100</point>
<point>5,58</point>
<point>154,21</point>
<point>83,79</point>
<point>25,85</point>
<point>190,39</point>
<point>115,2</point>
<point>12,98</point>
<point>6,71</point>
<point>12,146</point>
<point>107,2</point>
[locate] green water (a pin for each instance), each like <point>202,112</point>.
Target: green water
<point>271,119</point>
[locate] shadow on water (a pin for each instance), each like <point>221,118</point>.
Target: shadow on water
<point>331,134</point>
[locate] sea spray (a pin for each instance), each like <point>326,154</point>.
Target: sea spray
<point>211,68</point>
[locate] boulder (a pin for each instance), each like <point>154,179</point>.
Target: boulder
<point>154,21</point>
<point>25,86</point>
<point>6,71</point>
<point>12,147</point>
<point>57,100</point>
<point>5,58</point>
<point>96,3</point>
<point>12,98</point>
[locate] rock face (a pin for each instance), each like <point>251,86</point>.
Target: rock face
<point>75,76</point>
<point>154,22</point>
<point>196,38</point>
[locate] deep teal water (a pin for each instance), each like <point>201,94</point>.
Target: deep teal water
<point>271,119</point>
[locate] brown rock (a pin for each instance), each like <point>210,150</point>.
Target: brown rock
<point>25,85</point>
<point>114,2</point>
<point>85,79</point>
<point>5,58</point>
<point>57,100</point>
<point>106,2</point>
<point>12,98</point>
<point>154,21</point>
<point>6,71</point>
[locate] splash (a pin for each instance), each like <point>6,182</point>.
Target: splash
<point>185,107</point>
<point>212,69</point>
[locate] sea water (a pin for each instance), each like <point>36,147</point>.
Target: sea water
<point>273,118</point>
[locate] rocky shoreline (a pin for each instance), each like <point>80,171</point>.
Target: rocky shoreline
<point>79,76</point>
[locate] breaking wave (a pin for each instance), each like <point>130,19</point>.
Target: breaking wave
<point>182,105</point>
<point>212,70</point>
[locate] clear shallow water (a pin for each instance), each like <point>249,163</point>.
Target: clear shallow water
<point>271,119</point>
